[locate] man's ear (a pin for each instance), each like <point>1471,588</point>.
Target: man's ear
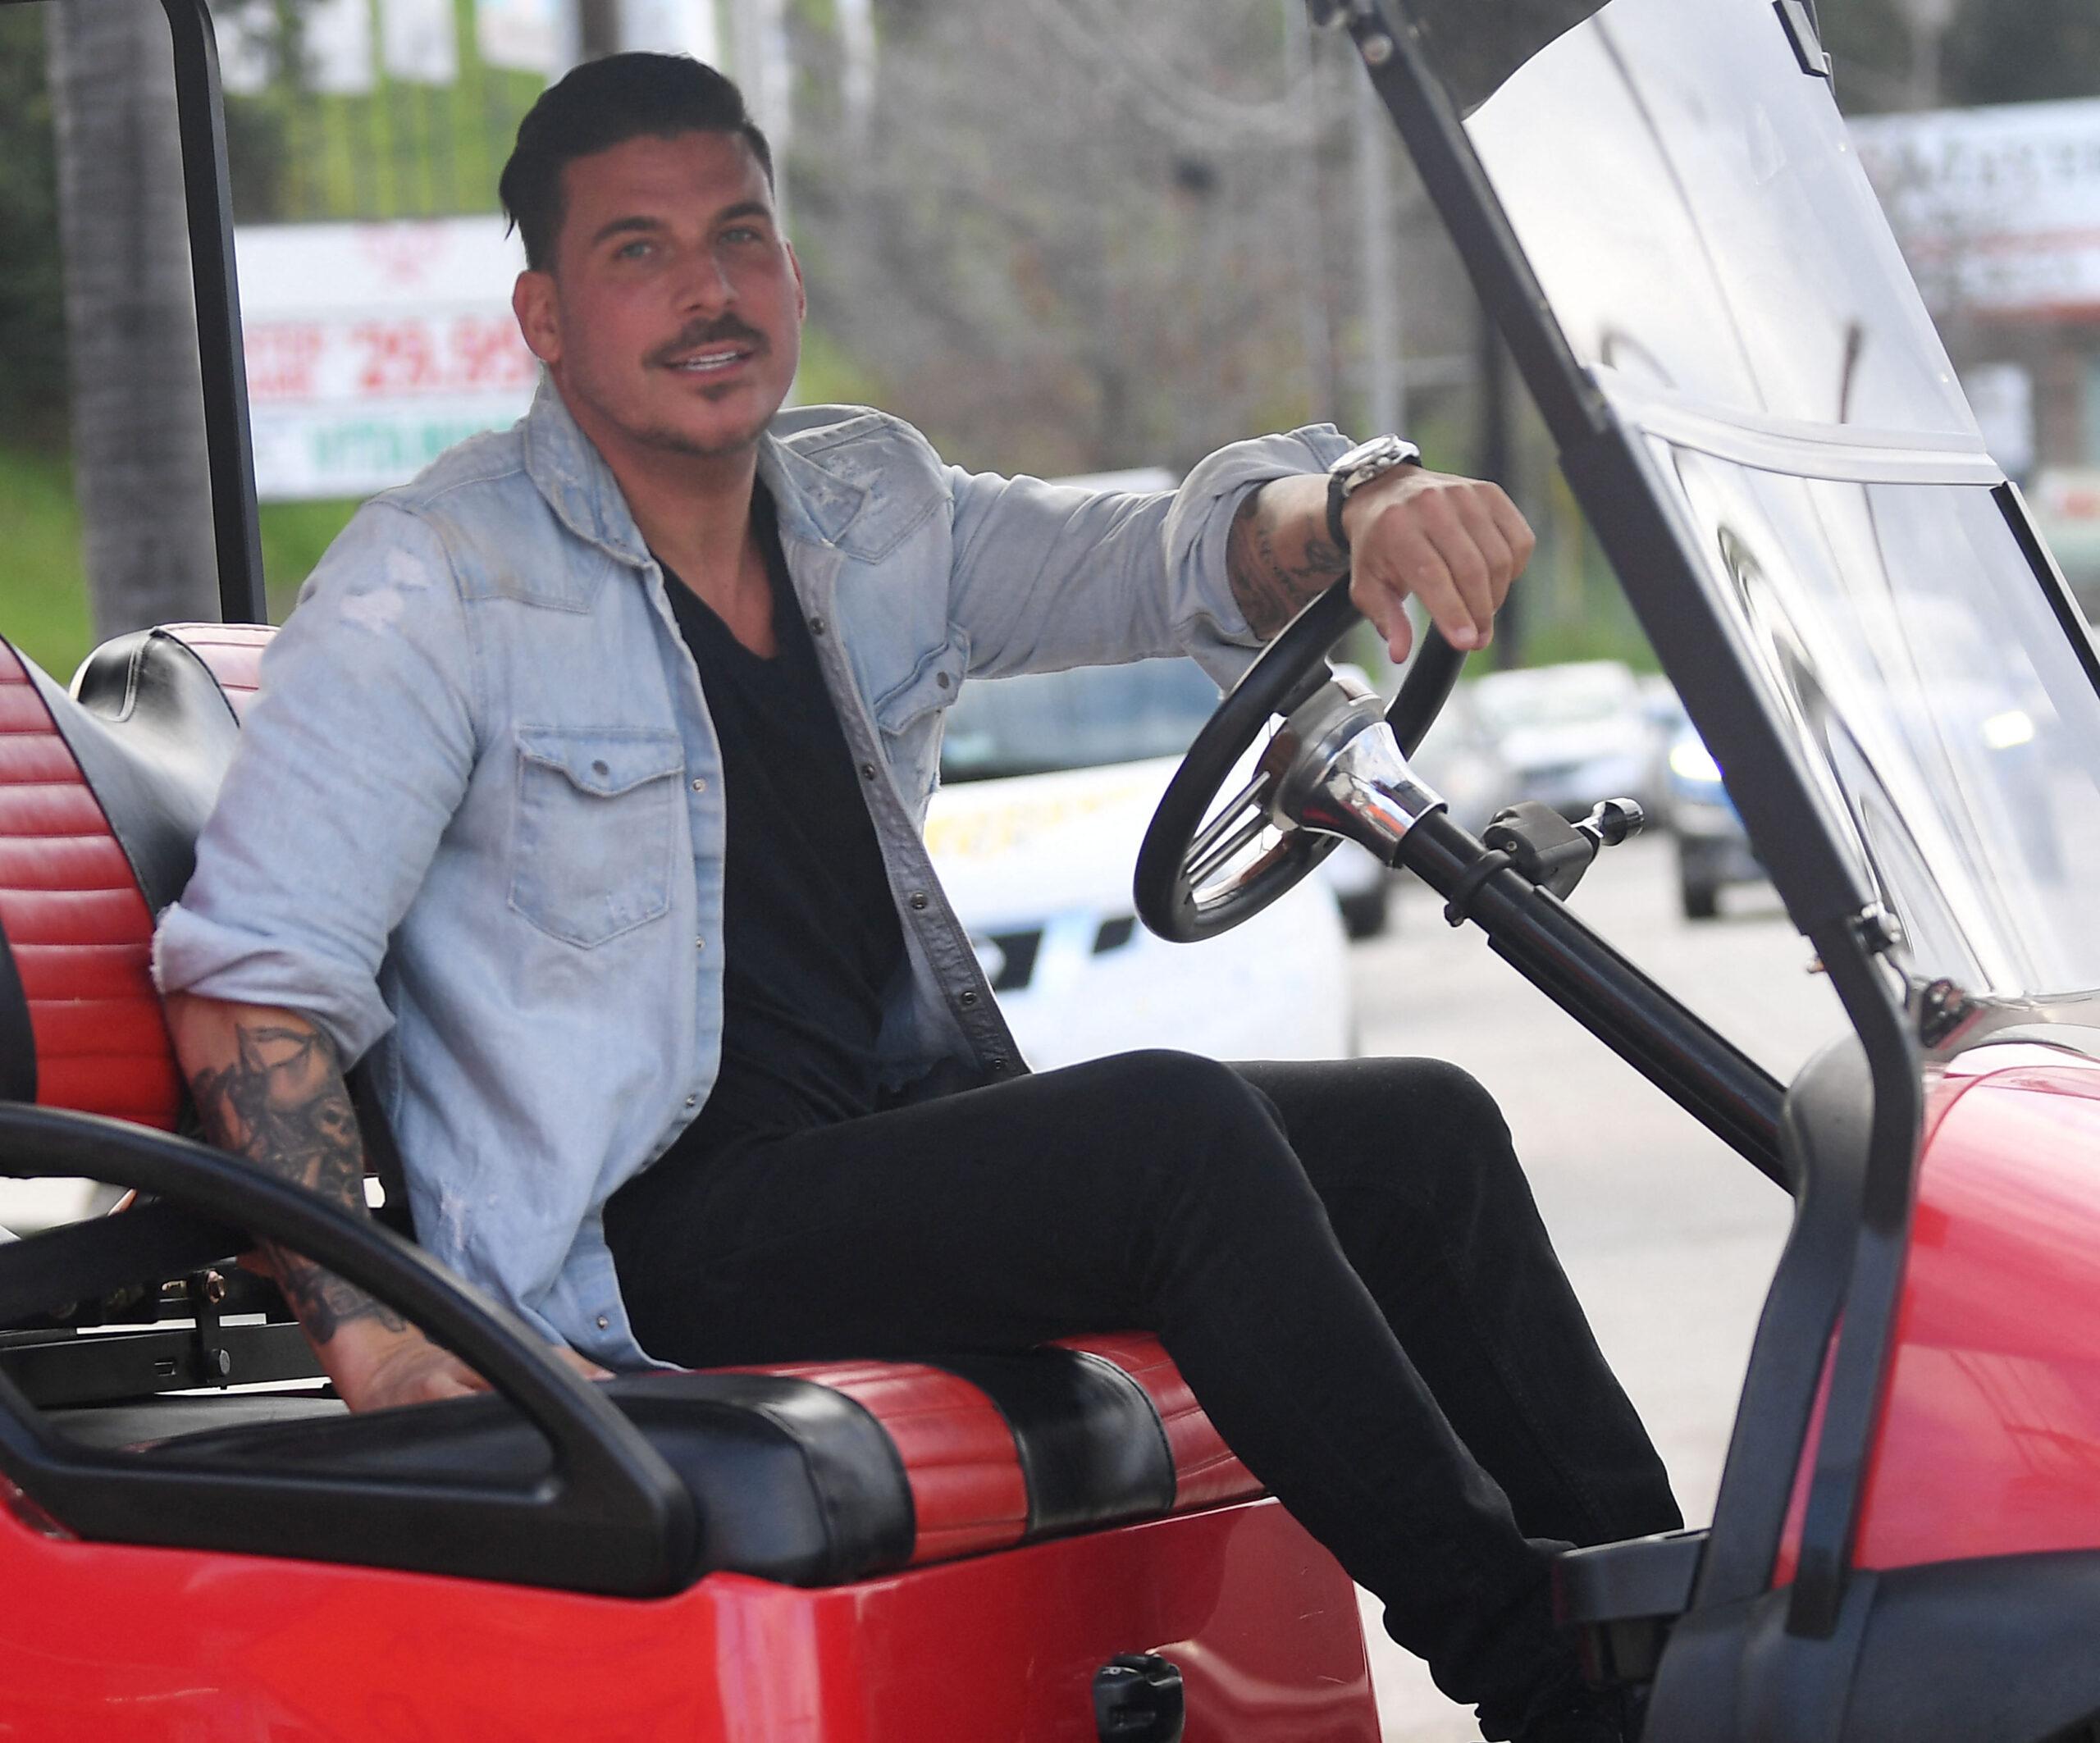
<point>801,290</point>
<point>536,304</point>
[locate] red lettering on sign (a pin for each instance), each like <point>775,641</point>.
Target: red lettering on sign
<point>281,359</point>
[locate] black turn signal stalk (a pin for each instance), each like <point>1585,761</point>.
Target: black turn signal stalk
<point>1541,847</point>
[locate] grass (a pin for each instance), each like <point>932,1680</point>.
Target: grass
<point>43,595</point>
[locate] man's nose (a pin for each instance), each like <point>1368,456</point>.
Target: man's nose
<point>705,284</point>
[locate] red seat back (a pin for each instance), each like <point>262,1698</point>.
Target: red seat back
<point>78,929</point>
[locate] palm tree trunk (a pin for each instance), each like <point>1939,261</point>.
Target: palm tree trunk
<point>139,468</point>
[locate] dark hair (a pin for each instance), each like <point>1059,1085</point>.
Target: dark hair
<point>603,103</point>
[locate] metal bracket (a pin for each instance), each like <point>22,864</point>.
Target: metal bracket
<point>210,1361</point>
<point>1798,19</point>
<point>1878,930</point>
<point>1944,1010</point>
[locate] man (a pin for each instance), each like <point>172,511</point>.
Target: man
<point>585,785</point>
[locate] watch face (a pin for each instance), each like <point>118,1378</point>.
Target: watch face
<point>1368,459</point>
<point>1373,450</point>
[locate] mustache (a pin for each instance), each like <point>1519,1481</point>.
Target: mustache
<point>697,333</point>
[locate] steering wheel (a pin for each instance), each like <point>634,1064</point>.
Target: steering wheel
<point>1181,852</point>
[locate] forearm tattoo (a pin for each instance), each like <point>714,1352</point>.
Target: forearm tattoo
<point>282,1103</point>
<point>1276,564</point>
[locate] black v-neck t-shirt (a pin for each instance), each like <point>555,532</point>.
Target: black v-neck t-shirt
<point>811,935</point>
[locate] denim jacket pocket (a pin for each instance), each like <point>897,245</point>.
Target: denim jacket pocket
<point>910,713</point>
<point>597,822</point>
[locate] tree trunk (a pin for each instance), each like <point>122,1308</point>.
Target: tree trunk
<point>141,473</point>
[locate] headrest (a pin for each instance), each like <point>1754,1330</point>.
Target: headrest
<point>153,730</point>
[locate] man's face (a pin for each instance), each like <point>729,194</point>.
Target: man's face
<point>671,319</point>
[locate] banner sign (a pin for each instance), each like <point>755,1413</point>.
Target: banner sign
<point>672,27</point>
<point>374,347</point>
<point>336,38</point>
<point>1997,209</point>
<point>419,41</point>
<point>523,35</point>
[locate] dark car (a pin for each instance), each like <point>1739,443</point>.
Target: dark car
<point>1713,847</point>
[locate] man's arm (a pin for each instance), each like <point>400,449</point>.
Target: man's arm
<point>270,1088</point>
<point>1455,544</point>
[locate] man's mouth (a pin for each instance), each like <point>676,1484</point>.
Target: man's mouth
<point>711,359</point>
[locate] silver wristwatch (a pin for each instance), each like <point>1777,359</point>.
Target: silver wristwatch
<point>1357,468</point>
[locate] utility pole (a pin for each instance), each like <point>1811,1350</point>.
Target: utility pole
<point>758,60</point>
<point>1493,453</point>
<point>857,47</point>
<point>1385,394</point>
<point>1316,333</point>
<point>1929,21</point>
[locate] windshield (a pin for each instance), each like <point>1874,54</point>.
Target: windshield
<point>1086,718</point>
<point>1684,189</point>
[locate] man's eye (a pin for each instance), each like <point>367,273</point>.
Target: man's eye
<point>743,233</point>
<point>631,250</point>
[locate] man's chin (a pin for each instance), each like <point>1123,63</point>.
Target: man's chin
<point>713,438</point>
<point>699,430</point>
<point>713,445</point>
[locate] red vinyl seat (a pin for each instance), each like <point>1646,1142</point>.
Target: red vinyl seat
<point>810,1472</point>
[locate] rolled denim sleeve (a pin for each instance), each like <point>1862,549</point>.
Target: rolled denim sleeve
<point>353,759</point>
<point>1050,576</point>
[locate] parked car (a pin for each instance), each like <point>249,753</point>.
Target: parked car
<point>1048,781</point>
<point>1573,733</point>
<point>1713,848</point>
<point>1463,761</point>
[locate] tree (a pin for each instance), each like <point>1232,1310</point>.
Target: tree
<point>1081,236</point>
<point>32,317</point>
<point>141,473</point>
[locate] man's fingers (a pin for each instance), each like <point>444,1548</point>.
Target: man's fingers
<point>1412,562</point>
<point>582,1364</point>
<point>1515,529</point>
<point>1383,606</point>
<point>1477,508</point>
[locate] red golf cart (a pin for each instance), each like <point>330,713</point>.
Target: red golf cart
<point>1656,200</point>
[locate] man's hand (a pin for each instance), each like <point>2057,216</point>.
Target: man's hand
<point>1455,544</point>
<point>375,1368</point>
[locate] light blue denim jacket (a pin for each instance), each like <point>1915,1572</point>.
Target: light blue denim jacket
<point>475,821</point>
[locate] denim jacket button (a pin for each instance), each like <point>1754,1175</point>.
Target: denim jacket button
<point>699,785</point>
<point>967,999</point>
<point>816,625</point>
<point>919,899</point>
<point>604,1323</point>
<point>867,771</point>
<point>692,1100</point>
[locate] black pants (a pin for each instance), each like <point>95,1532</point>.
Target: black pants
<point>1344,1260</point>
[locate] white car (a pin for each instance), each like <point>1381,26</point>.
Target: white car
<point>1049,780</point>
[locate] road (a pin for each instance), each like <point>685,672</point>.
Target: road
<point>1669,1237</point>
